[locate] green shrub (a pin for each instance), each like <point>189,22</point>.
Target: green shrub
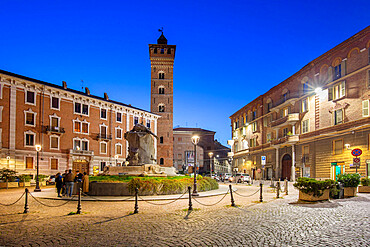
<point>365,181</point>
<point>24,178</point>
<point>313,186</point>
<point>349,179</point>
<point>7,175</point>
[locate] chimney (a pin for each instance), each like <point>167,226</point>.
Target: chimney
<point>106,96</point>
<point>87,91</point>
<point>64,84</point>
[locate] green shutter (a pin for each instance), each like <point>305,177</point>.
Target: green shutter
<point>365,108</point>
<point>330,93</point>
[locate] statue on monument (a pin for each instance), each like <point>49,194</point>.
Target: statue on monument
<point>140,146</point>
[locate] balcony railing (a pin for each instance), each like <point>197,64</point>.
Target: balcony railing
<point>286,139</point>
<point>282,100</point>
<point>81,152</point>
<point>104,137</point>
<point>291,117</point>
<point>54,129</point>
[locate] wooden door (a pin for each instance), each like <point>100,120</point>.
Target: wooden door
<point>287,167</point>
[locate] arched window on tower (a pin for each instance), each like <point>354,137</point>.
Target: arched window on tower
<point>161,90</point>
<point>161,108</point>
<point>161,161</point>
<point>161,75</point>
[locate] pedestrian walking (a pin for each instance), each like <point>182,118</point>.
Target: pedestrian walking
<point>85,182</point>
<point>69,180</point>
<point>59,183</point>
<point>64,190</point>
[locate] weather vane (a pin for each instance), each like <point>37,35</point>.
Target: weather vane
<point>160,30</point>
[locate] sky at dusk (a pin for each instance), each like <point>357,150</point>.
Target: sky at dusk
<point>228,52</point>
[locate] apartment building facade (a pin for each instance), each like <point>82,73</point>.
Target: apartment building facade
<point>77,130</point>
<point>308,124</point>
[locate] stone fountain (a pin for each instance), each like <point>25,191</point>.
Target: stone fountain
<point>141,161</point>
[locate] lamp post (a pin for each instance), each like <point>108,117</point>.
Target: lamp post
<point>210,162</point>
<point>116,157</point>
<point>38,149</point>
<point>7,159</point>
<point>195,140</point>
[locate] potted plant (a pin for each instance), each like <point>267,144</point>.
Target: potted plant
<point>24,180</point>
<point>313,190</point>
<point>8,178</point>
<point>350,182</point>
<point>365,188</point>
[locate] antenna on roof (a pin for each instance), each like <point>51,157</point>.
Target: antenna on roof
<point>160,30</point>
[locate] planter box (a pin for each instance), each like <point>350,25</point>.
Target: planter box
<point>363,189</point>
<point>10,185</point>
<point>24,184</point>
<point>309,197</point>
<point>350,191</point>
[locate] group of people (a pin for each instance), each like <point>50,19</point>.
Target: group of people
<point>66,181</point>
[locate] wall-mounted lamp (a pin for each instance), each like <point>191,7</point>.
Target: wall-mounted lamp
<point>348,146</point>
<point>318,90</point>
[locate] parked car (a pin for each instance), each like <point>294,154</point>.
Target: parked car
<point>240,178</point>
<point>51,180</point>
<point>226,177</point>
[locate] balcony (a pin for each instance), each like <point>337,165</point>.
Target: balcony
<point>81,152</point>
<point>54,129</point>
<point>289,99</point>
<point>104,137</point>
<point>292,139</point>
<point>291,118</point>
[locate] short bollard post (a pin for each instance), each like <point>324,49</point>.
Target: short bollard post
<point>136,204</point>
<point>190,204</point>
<point>261,198</point>
<point>278,189</point>
<point>7,185</point>
<point>286,186</point>
<point>26,208</point>
<point>232,197</point>
<point>79,201</point>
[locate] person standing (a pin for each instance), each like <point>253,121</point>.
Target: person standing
<point>85,182</point>
<point>69,180</point>
<point>58,183</point>
<point>64,190</point>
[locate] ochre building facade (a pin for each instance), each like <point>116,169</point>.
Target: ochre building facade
<point>308,124</point>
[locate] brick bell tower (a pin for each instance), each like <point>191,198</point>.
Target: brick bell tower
<point>162,57</point>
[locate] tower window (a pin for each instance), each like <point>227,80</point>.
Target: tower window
<point>162,51</point>
<point>161,161</point>
<point>161,139</point>
<point>155,50</point>
<point>161,75</point>
<point>168,51</point>
<point>161,108</point>
<point>161,90</point>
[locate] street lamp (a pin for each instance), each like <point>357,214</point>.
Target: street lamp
<point>195,140</point>
<point>38,149</point>
<point>210,161</point>
<point>116,157</point>
<point>8,158</point>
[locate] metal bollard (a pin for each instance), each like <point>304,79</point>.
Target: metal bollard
<point>136,204</point>
<point>278,189</point>
<point>79,201</point>
<point>26,208</point>
<point>7,185</point>
<point>232,197</point>
<point>190,204</point>
<point>286,186</point>
<point>261,198</point>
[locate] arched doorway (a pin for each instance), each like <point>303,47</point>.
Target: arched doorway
<point>286,167</point>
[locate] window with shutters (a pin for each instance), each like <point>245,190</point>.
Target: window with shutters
<point>338,116</point>
<point>77,126</point>
<point>284,112</point>
<point>285,131</point>
<point>54,164</point>
<point>103,131</point>
<point>337,72</point>
<point>103,147</point>
<point>55,103</point>
<point>85,128</point>
<point>268,137</point>
<point>118,149</point>
<point>54,142</point>
<point>337,146</point>
<point>253,142</point>
<point>103,113</point>
<point>337,91</point>
<point>29,162</point>
<point>254,127</point>
<point>54,122</point>
<point>305,126</point>
<point>118,133</point>
<point>305,87</point>
<point>365,108</point>
<point>30,118</point>
<point>148,123</point>
<point>29,139</point>
<point>136,120</point>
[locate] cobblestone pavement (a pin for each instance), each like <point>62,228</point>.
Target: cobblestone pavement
<point>278,222</point>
